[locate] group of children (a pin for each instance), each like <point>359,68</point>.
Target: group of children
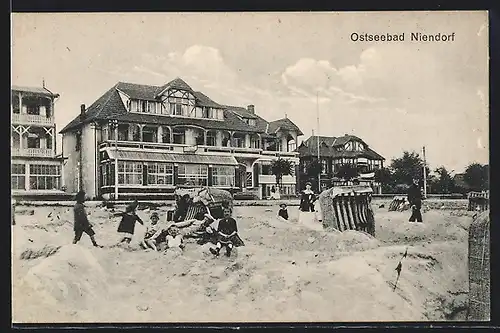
<point>162,235</point>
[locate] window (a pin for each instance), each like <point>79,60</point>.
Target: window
<point>48,141</point>
<point>33,142</point>
<point>78,141</point>
<point>292,145</point>
<point>136,133</point>
<point>237,142</point>
<point>45,177</point>
<point>134,105</point>
<point>143,106</point>
<point>151,107</point>
<point>129,173</point>
<point>165,135</point>
<point>160,174</point>
<point>211,139</point>
<point>122,132</point>
<point>149,134</point>
<point>107,174</point>
<point>266,169</point>
<point>251,122</point>
<point>193,174</point>
<point>220,114</point>
<point>223,176</point>
<point>254,143</point>
<point>179,136</point>
<point>33,109</point>
<point>17,176</point>
<point>324,166</point>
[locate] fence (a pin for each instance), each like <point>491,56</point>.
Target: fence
<point>478,201</point>
<point>348,208</point>
<point>479,268</point>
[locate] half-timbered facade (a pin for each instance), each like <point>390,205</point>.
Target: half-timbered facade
<point>142,140</point>
<point>337,151</point>
<point>35,169</point>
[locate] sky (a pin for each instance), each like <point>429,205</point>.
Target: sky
<point>396,96</point>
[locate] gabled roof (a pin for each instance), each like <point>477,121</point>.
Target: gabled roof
<point>241,112</point>
<point>138,91</point>
<point>328,147</point>
<point>35,90</point>
<point>204,100</point>
<point>176,83</point>
<point>107,106</point>
<point>110,106</point>
<point>284,124</point>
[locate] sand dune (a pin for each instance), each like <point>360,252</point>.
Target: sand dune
<point>286,272</point>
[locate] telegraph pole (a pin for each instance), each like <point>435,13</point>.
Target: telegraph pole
<point>425,173</point>
<point>317,141</point>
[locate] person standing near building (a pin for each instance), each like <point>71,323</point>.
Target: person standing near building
<point>81,223</point>
<point>307,199</point>
<point>415,200</point>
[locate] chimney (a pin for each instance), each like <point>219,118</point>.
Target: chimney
<point>82,112</point>
<point>251,108</point>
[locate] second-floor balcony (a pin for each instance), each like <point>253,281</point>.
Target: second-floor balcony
<point>185,148</point>
<point>271,179</point>
<point>32,152</point>
<point>32,119</point>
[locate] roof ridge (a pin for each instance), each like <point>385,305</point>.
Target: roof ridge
<point>101,107</point>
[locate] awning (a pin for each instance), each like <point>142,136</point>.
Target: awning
<point>132,155</point>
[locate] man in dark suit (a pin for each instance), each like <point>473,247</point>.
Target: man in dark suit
<point>415,200</point>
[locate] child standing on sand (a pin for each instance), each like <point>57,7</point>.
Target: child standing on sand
<point>81,223</point>
<point>127,223</point>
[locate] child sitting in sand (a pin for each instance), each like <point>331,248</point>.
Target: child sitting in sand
<point>150,231</point>
<point>283,212</point>
<point>174,239</point>
<point>227,234</point>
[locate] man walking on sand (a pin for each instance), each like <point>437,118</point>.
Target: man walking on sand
<point>415,200</point>
<point>81,223</point>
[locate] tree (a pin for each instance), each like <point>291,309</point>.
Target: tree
<point>280,168</point>
<point>384,177</point>
<point>444,182</point>
<point>407,168</point>
<point>347,172</point>
<point>477,176</point>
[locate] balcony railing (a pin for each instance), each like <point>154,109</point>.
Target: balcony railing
<point>32,119</point>
<point>271,179</point>
<point>204,148</point>
<point>33,152</point>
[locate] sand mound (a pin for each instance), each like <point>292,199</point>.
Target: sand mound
<point>46,251</point>
<point>351,240</point>
<point>72,278</point>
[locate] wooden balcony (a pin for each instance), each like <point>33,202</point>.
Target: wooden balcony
<point>33,152</point>
<point>32,119</point>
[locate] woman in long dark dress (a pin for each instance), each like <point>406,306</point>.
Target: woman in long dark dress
<point>307,199</point>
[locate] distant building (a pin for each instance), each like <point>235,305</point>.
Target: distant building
<point>35,168</point>
<point>166,136</point>
<point>336,151</point>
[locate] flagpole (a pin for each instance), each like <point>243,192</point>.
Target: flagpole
<point>317,142</point>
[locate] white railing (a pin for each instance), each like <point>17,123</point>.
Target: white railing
<point>271,179</point>
<point>33,152</point>
<point>32,119</point>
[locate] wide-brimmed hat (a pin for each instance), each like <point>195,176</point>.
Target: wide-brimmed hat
<point>308,183</point>
<point>154,214</point>
<point>283,205</point>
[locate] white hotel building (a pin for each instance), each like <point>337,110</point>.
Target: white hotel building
<point>161,137</point>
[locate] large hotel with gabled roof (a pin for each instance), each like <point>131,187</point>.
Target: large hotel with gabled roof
<point>142,141</point>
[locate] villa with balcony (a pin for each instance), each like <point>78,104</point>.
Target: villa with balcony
<point>335,152</point>
<point>139,141</point>
<point>35,168</point>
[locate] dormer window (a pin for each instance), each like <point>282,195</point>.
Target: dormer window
<point>249,121</point>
